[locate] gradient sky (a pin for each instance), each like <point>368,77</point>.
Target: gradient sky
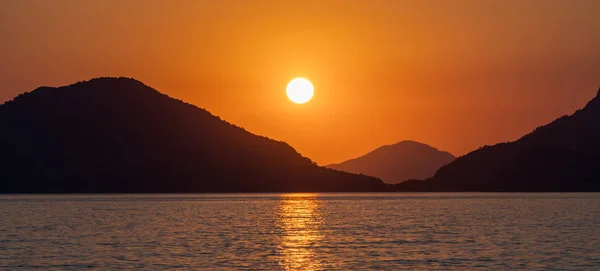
<point>453,74</point>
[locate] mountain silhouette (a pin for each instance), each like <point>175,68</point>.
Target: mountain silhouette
<point>561,156</point>
<point>398,162</point>
<point>117,135</point>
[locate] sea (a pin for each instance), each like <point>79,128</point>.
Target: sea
<point>305,231</point>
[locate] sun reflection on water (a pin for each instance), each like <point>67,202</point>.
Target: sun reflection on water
<point>299,221</point>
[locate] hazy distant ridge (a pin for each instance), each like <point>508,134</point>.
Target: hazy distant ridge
<point>398,162</point>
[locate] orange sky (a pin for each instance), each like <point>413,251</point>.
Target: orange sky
<point>452,74</point>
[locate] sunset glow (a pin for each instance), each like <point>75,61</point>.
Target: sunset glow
<point>300,135</point>
<point>383,70</point>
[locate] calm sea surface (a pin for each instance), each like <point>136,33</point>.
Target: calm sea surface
<point>301,231</point>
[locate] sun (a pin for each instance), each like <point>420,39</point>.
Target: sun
<point>300,90</point>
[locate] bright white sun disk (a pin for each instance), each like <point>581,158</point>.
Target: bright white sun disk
<point>300,90</point>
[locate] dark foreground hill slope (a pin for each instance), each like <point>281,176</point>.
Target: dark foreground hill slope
<point>561,156</point>
<point>118,135</point>
<point>398,162</point>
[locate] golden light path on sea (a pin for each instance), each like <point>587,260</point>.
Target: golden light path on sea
<point>299,219</point>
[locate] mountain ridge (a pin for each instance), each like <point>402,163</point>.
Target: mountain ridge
<point>395,163</point>
<point>119,135</point>
<point>563,155</point>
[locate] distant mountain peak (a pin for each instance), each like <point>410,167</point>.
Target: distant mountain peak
<point>404,143</point>
<point>398,162</point>
<point>409,142</point>
<point>414,143</point>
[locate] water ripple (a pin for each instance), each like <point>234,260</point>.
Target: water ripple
<point>301,232</point>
